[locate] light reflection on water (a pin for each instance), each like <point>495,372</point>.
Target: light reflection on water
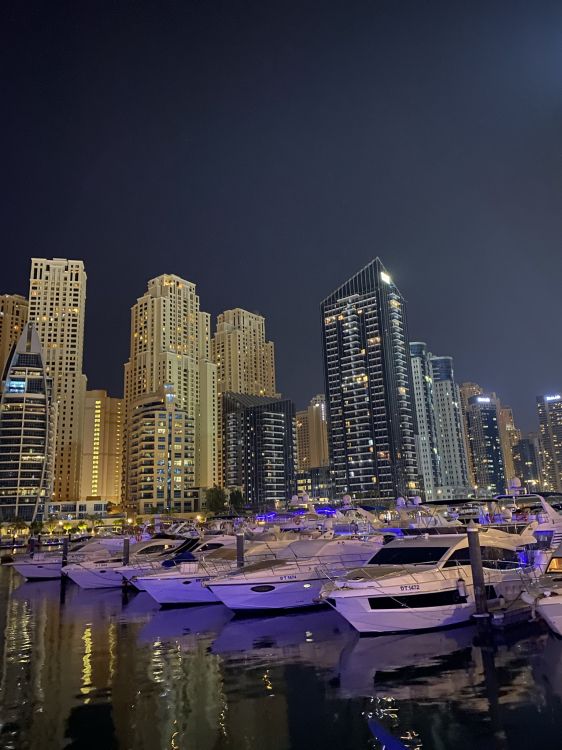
<point>99,670</point>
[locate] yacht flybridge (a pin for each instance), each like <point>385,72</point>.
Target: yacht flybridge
<point>420,583</point>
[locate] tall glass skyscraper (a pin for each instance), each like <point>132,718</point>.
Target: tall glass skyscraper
<point>368,387</point>
<point>485,445</point>
<point>550,421</point>
<point>27,432</point>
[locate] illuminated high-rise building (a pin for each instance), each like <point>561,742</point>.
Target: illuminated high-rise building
<point>259,448</point>
<point>426,433</point>
<point>57,304</point>
<point>368,387</point>
<point>170,347</point>
<point>466,391</point>
<point>27,432</point>
<point>102,447</point>
<point>312,435</point>
<point>245,360</point>
<point>485,444</point>
<point>527,464</point>
<point>510,436</point>
<point>440,435</point>
<point>550,423</point>
<point>13,317</point>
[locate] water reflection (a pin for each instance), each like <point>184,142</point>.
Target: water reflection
<point>99,669</point>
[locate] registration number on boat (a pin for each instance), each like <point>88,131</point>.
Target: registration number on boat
<point>287,578</point>
<point>410,587</point>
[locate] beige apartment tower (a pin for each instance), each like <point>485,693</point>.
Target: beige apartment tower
<point>57,304</point>
<point>245,360</point>
<point>102,447</point>
<point>312,435</point>
<point>13,317</point>
<point>170,346</point>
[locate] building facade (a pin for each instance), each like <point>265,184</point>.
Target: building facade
<point>259,448</point>
<point>57,305</point>
<point>485,445</point>
<point>312,435</point>
<point>170,345</point>
<point>510,436</point>
<point>550,424</point>
<point>161,455</point>
<point>303,441</point>
<point>368,387</point>
<point>102,447</point>
<point>526,459</point>
<point>245,361</point>
<point>27,432</point>
<point>13,316</point>
<point>426,435</point>
<point>454,482</point>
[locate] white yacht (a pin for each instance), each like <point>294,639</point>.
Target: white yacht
<point>106,573</point>
<point>420,583</point>
<point>545,594</point>
<point>186,582</point>
<point>41,566</point>
<point>294,579</point>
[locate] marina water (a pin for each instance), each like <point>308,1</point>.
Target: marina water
<point>103,669</point>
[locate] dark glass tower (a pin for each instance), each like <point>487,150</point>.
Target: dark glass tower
<point>368,387</point>
<point>259,447</point>
<point>27,429</point>
<point>485,445</point>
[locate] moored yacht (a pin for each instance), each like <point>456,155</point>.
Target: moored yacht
<point>186,583</point>
<point>48,565</point>
<point>106,573</point>
<point>421,583</point>
<point>294,579</point>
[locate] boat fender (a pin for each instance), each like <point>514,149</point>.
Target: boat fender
<point>461,588</point>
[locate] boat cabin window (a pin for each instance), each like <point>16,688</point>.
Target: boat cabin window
<point>209,546</point>
<point>152,549</point>
<point>555,565</point>
<point>495,558</point>
<point>408,555</point>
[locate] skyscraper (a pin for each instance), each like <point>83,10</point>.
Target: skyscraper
<point>102,447</point>
<point>550,422</point>
<point>303,441</point>
<point>451,440</point>
<point>13,317</point>
<point>440,436</point>
<point>485,445</point>
<point>368,387</point>
<point>259,447</point>
<point>27,432</point>
<point>467,390</point>
<point>510,435</point>
<point>312,435</point>
<point>526,459</point>
<point>170,346</point>
<point>426,435</point>
<point>57,304</point>
<point>245,360</point>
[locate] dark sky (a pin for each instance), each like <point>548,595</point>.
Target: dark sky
<point>267,150</point>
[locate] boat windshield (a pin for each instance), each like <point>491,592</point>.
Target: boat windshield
<point>408,555</point>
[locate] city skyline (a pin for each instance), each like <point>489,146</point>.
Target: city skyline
<point>280,156</point>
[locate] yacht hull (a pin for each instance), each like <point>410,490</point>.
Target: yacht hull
<point>181,590</point>
<point>357,611</point>
<point>550,609</point>
<point>98,577</point>
<point>39,571</point>
<point>269,594</point>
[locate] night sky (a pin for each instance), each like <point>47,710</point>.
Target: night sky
<point>267,150</point>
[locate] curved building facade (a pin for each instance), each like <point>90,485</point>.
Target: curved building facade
<point>27,432</point>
